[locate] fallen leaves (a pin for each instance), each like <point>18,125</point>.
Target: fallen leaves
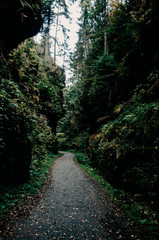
<point>68,210</point>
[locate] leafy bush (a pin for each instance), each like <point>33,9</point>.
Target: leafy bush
<point>82,158</point>
<point>126,149</point>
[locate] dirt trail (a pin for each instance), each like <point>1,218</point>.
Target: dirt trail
<point>73,207</point>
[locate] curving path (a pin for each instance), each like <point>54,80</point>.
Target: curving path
<point>73,207</point>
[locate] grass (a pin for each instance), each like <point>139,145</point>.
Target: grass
<point>133,209</point>
<point>15,195</point>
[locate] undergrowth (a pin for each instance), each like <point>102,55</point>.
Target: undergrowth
<point>127,202</point>
<point>13,195</point>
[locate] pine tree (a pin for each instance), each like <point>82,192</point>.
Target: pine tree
<point>52,11</point>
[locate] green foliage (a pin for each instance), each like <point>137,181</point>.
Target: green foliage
<point>126,149</point>
<point>31,104</point>
<point>74,122</point>
<point>122,30</point>
<point>82,158</point>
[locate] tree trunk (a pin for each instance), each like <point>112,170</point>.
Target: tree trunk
<point>106,15</point>
<point>55,39</point>
<point>47,45</point>
<point>105,43</point>
<point>47,36</point>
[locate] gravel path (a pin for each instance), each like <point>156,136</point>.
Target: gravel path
<point>73,207</point>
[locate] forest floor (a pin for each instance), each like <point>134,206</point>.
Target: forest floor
<point>73,206</point>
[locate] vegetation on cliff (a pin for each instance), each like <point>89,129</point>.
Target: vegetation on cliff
<point>31,103</point>
<point>31,97</point>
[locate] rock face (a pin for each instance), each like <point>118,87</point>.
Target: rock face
<point>19,19</point>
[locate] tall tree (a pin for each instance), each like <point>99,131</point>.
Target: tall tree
<point>62,10</point>
<point>48,16</point>
<point>52,11</point>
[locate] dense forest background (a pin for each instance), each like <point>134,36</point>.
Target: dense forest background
<point>112,108</point>
<point>110,114</point>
